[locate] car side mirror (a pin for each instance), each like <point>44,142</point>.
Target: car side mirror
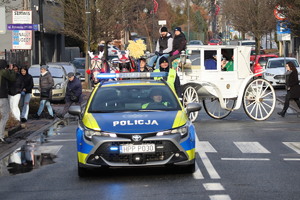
<point>193,107</point>
<point>75,110</point>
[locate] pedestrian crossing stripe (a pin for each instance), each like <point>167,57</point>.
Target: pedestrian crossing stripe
<point>245,147</point>
<point>293,145</point>
<point>251,147</point>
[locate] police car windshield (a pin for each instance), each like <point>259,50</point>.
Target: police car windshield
<point>133,98</point>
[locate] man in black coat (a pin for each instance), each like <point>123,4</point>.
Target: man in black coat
<point>73,93</point>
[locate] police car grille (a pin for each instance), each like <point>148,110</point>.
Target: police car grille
<point>160,154</point>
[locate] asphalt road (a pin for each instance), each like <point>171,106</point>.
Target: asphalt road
<point>237,158</point>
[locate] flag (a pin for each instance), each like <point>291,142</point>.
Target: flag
<point>155,7</point>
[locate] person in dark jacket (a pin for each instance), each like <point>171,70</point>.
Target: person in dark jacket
<point>179,44</point>
<point>73,93</point>
<point>163,47</point>
<point>46,84</point>
<point>143,65</point>
<point>6,75</point>
<point>172,79</point>
<point>292,87</point>
<point>25,93</point>
<point>14,93</point>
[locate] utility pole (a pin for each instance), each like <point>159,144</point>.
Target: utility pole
<point>188,21</point>
<point>87,57</point>
<point>41,42</point>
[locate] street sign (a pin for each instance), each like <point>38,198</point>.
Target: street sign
<point>162,22</point>
<point>284,37</point>
<point>278,13</point>
<point>22,17</point>
<point>32,27</point>
<point>283,27</point>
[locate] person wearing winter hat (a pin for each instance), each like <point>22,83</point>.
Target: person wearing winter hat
<point>6,75</point>
<point>46,84</point>
<point>179,44</point>
<point>163,47</point>
<point>172,78</point>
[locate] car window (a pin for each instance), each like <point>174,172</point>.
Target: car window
<point>131,98</point>
<point>214,41</point>
<point>280,63</point>
<point>56,72</point>
<point>248,43</point>
<point>264,60</point>
<point>79,63</point>
<point>34,72</point>
<point>68,68</point>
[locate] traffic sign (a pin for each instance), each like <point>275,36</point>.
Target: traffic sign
<point>278,13</point>
<point>283,27</point>
<point>33,27</point>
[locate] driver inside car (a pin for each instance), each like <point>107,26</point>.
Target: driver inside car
<point>157,103</point>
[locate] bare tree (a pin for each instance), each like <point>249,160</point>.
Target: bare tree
<point>254,16</point>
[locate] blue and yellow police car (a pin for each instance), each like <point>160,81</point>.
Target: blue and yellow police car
<point>134,121</point>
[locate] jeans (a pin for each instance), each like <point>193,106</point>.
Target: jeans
<point>4,115</point>
<point>156,58</point>
<point>14,105</point>
<point>42,105</point>
<point>24,103</point>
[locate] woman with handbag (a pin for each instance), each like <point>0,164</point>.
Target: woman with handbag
<point>46,84</point>
<point>73,93</point>
<point>292,87</point>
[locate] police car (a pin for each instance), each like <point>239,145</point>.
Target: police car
<point>134,122</point>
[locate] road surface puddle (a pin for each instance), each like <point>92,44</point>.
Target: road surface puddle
<point>33,154</point>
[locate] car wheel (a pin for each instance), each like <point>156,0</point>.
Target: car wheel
<point>82,172</point>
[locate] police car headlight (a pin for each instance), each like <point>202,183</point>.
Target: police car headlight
<point>183,131</point>
<point>90,133</point>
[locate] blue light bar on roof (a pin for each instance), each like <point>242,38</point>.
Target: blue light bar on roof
<point>132,75</point>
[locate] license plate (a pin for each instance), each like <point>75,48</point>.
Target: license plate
<point>142,148</point>
<point>281,81</point>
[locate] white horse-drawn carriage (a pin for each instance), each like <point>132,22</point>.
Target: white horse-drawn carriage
<point>221,92</point>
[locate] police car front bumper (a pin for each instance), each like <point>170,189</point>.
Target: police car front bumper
<point>168,150</point>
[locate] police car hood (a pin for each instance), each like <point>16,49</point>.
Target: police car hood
<point>138,122</point>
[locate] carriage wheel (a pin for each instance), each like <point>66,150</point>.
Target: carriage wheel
<point>259,99</point>
<point>213,108</point>
<point>190,95</point>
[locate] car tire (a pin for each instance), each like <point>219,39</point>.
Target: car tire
<point>82,172</point>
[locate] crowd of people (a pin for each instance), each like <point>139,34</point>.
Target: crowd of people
<point>16,86</point>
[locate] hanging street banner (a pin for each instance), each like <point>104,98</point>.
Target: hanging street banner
<point>22,39</point>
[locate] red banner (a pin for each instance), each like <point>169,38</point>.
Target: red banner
<point>155,7</point>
